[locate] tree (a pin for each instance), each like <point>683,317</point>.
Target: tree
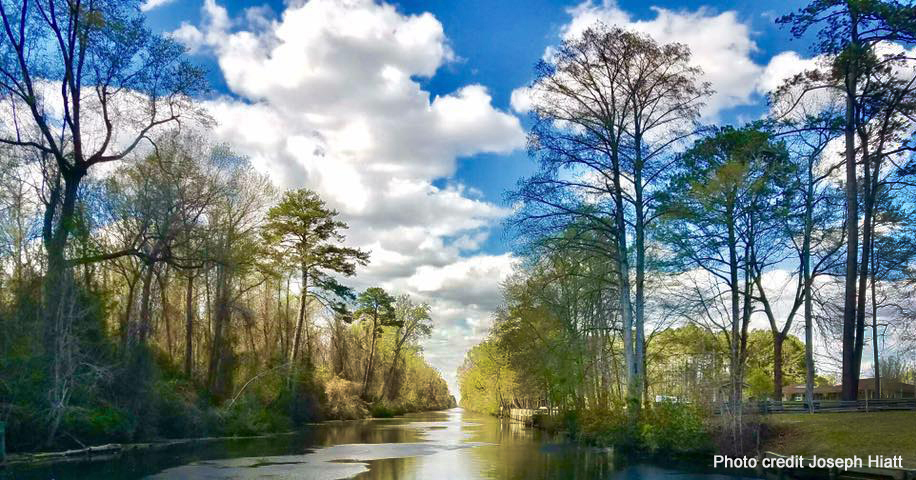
<point>486,381</point>
<point>308,234</point>
<point>892,256</point>
<point>413,322</point>
<point>116,82</point>
<point>234,254</point>
<point>761,363</point>
<point>608,107</point>
<point>376,309</point>
<point>812,227</point>
<point>161,202</point>
<point>721,213</point>
<point>849,35</point>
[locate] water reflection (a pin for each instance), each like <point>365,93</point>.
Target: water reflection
<point>453,444</point>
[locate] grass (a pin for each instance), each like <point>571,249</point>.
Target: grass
<point>845,435</point>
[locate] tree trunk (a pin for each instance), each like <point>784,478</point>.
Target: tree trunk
<point>128,310</point>
<point>735,294</point>
<point>387,388</point>
<point>626,310</point>
<point>369,366</point>
<point>389,379</point>
<point>189,325</point>
<point>286,320</point>
<point>735,344</point>
<point>143,326</point>
<point>862,293</point>
<point>777,366</point>
<point>220,321</point>
<point>639,308</point>
<point>301,323</point>
<point>850,379</point>
<point>59,295</point>
<point>164,314</point>
<point>874,321</point>
<point>281,324</point>
<point>807,285</point>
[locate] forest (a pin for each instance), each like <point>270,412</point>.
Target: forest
<point>153,283</point>
<point>673,267</point>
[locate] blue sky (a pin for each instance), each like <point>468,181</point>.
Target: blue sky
<point>402,115</point>
<point>499,42</point>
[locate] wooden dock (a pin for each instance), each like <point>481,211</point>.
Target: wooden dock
<point>525,415</point>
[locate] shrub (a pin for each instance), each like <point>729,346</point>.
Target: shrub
<point>178,412</point>
<point>384,409</point>
<point>25,427</point>
<point>343,402</point>
<point>246,417</point>
<point>737,435</point>
<point>674,427</point>
<point>302,401</point>
<point>604,427</point>
<point>98,424</point>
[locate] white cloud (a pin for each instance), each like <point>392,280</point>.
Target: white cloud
<point>720,44</point>
<point>148,5</point>
<point>189,36</point>
<point>783,66</point>
<point>326,97</point>
<point>521,99</point>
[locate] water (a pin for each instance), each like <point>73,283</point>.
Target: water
<point>437,445</point>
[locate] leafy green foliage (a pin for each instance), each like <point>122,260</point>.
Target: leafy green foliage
<point>307,235</point>
<point>674,427</point>
<point>376,306</point>
<point>99,425</point>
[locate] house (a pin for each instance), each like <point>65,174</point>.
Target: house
<point>889,389</point>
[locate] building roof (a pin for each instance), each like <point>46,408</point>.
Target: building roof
<point>864,384</point>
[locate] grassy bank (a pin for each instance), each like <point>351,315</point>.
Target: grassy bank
<point>845,435</point>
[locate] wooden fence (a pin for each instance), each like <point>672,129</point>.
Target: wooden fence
<point>824,406</point>
<point>766,407</point>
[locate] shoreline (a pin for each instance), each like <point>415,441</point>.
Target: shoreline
<point>110,451</point>
<point>858,473</point>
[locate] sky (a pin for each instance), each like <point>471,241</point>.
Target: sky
<point>410,117</point>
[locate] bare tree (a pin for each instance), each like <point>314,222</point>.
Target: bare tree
<point>84,83</point>
<point>413,323</point>
<point>608,107</point>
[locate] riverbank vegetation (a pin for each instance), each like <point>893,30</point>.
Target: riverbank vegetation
<point>653,243</point>
<point>153,283</point>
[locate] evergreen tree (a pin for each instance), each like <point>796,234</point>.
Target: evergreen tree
<point>376,308</point>
<point>308,235</point>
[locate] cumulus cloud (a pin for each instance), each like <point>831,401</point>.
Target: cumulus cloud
<point>721,43</point>
<point>783,66</point>
<point>152,4</point>
<point>326,96</point>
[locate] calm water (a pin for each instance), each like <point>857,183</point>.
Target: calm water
<point>436,445</point>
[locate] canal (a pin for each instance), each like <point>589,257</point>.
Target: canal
<point>453,444</point>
